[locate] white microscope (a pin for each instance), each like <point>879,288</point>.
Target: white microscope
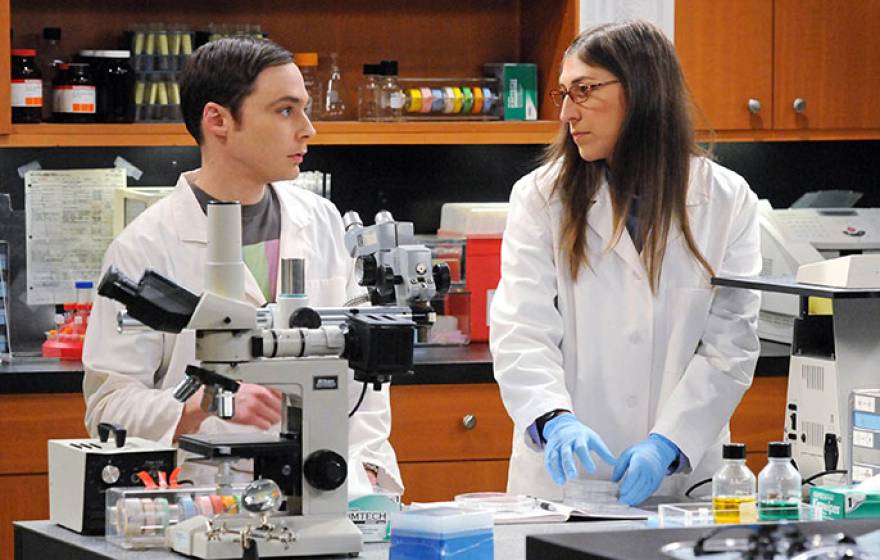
<point>303,353</point>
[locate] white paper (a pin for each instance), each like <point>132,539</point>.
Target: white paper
<point>661,12</point>
<point>69,221</point>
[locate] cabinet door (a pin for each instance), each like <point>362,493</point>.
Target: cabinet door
<point>726,52</point>
<point>828,55</point>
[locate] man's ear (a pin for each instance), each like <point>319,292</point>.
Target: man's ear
<point>216,120</point>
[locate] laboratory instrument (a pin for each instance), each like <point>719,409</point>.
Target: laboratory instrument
<point>82,470</point>
<point>294,350</point>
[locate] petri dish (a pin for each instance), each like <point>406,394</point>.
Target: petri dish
<point>496,502</point>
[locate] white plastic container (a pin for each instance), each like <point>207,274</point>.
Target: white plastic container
<point>461,219</point>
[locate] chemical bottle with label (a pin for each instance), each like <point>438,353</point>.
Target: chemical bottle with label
<point>779,485</point>
<point>733,487</point>
<point>26,89</point>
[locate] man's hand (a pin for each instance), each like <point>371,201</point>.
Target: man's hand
<point>257,406</point>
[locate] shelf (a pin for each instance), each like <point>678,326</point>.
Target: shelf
<point>329,133</point>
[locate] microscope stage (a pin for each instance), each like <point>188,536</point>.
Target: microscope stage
<point>244,446</point>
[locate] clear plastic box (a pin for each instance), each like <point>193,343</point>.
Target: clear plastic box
<point>450,99</point>
<point>137,517</point>
<point>702,514</point>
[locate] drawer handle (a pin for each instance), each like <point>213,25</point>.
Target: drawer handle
<point>799,105</point>
<point>469,421</point>
<point>754,106</point>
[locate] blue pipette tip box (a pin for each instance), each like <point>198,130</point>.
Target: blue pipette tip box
<point>442,532</point>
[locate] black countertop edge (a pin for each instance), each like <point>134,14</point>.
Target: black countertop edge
<point>432,366</point>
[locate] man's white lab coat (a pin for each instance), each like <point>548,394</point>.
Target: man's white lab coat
<point>129,379</point>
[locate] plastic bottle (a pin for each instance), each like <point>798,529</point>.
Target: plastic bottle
<point>334,105</point>
<point>368,94</point>
<point>733,487</point>
<point>308,65</point>
<point>391,98</point>
<point>779,485</point>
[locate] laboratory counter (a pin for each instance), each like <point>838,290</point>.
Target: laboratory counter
<point>37,540</point>
<point>434,365</point>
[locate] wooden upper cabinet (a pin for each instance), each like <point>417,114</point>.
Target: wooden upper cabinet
<point>726,51</point>
<point>828,55</point>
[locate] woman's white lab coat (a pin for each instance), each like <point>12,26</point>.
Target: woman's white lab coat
<point>626,361</point>
<point>129,378</point>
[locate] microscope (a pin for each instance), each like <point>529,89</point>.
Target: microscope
<point>304,353</point>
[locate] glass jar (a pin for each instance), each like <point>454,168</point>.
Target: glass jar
<point>308,65</point>
<point>114,85</point>
<point>73,94</point>
<point>26,88</point>
<point>779,485</point>
<point>733,487</point>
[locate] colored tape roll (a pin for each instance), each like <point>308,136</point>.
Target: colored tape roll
<point>132,517</point>
<point>150,517</point>
<point>187,507</point>
<point>438,104</point>
<point>229,504</point>
<point>415,100</point>
<point>217,503</point>
<point>427,99</point>
<point>205,506</point>
<point>163,512</point>
<point>448,100</point>
<point>478,100</point>
<point>457,100</point>
<point>488,100</point>
<point>467,103</point>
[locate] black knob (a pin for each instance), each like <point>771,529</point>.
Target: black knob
<point>366,270</point>
<point>442,278</point>
<point>325,470</point>
<point>305,317</point>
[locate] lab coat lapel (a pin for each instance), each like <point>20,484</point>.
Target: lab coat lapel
<point>600,220</point>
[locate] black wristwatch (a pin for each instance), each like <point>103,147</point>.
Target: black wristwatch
<point>543,419</point>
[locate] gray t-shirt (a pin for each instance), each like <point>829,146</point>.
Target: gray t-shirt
<point>260,237</point>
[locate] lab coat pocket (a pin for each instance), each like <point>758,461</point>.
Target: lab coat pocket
<point>686,313</point>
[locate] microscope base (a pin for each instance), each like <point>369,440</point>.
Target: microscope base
<point>315,535</point>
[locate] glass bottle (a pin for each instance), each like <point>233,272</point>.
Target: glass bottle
<point>49,57</point>
<point>26,89</point>
<point>392,99</point>
<point>308,65</point>
<point>334,105</point>
<point>779,485</point>
<point>733,487</point>
<point>368,94</point>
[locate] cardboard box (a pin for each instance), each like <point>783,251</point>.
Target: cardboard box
<point>843,502</point>
<point>518,83</point>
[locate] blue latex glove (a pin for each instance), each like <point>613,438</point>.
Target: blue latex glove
<point>645,465</point>
<point>567,437</point>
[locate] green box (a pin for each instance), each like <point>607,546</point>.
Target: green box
<point>519,89</point>
<point>844,502</point>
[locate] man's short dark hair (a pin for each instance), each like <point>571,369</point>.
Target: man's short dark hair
<point>224,72</point>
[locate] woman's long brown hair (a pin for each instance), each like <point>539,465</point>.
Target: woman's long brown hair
<point>651,158</point>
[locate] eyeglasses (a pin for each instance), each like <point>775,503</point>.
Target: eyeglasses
<point>579,93</point>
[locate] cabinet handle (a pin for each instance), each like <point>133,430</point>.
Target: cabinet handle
<point>469,421</point>
<point>754,106</point>
<point>799,105</point>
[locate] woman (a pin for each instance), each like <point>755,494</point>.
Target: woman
<point>605,328</point>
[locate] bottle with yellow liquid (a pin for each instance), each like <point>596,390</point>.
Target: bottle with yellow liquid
<point>734,487</point>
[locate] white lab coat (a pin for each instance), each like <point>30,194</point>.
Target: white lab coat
<point>129,379</point>
<point>626,361</point>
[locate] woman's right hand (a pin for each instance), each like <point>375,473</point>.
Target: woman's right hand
<point>566,438</point>
<point>255,405</point>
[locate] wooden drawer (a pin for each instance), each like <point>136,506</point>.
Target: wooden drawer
<point>435,482</point>
<point>760,418</point>
<point>25,498</point>
<point>28,421</point>
<point>428,423</point>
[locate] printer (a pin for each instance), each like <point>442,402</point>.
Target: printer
<point>792,237</point>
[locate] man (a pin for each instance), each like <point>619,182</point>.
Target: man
<point>243,101</point>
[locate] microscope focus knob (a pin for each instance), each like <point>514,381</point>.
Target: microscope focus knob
<point>366,270</point>
<point>325,470</point>
<point>442,277</point>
